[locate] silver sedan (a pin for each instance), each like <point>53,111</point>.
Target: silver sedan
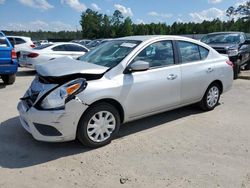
<point>120,81</point>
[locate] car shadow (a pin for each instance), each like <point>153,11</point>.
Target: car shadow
<point>2,85</point>
<point>22,73</point>
<point>18,149</point>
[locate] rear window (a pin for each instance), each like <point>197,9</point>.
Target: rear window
<point>43,46</point>
<point>3,42</point>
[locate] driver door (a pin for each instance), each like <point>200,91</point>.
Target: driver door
<point>156,89</point>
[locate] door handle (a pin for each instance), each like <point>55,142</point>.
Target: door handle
<point>210,70</point>
<point>172,76</point>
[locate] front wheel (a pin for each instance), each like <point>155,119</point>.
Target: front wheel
<point>99,125</point>
<point>9,79</point>
<point>211,97</point>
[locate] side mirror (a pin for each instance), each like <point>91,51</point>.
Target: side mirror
<point>137,66</point>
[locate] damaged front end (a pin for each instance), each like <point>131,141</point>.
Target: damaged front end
<point>50,111</point>
<point>47,94</point>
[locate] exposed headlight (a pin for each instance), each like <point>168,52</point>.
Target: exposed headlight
<point>232,52</point>
<point>57,98</point>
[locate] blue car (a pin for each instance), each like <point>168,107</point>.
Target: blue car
<point>8,61</point>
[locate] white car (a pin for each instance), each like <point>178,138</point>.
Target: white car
<point>21,43</point>
<point>120,81</point>
<point>44,53</point>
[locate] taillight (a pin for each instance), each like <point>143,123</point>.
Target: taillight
<point>32,46</point>
<point>32,55</point>
<point>13,54</point>
<point>230,63</point>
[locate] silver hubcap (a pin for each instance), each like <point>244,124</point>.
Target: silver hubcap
<point>212,96</point>
<point>101,126</point>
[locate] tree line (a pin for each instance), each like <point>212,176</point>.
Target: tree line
<point>96,25</point>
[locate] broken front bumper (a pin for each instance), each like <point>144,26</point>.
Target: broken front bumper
<point>51,125</point>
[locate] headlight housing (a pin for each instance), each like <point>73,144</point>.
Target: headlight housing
<point>57,98</point>
<point>232,52</point>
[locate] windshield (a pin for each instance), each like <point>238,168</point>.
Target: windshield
<point>110,53</point>
<point>221,38</point>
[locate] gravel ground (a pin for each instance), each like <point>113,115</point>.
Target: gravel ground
<point>181,148</point>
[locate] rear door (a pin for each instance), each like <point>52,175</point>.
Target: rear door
<point>5,50</point>
<point>197,72</point>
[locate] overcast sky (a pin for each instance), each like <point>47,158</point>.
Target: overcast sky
<point>56,15</point>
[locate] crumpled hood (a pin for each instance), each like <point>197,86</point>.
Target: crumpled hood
<point>67,66</point>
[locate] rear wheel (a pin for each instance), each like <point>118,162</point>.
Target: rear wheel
<point>211,97</point>
<point>99,125</point>
<point>9,79</point>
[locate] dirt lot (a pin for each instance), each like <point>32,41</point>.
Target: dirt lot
<point>181,148</point>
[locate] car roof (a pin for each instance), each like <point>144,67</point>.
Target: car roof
<point>151,37</point>
<point>226,32</point>
<point>18,37</point>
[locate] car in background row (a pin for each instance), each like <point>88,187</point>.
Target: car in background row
<point>21,43</point>
<point>95,43</point>
<point>8,60</point>
<point>46,52</point>
<point>234,44</point>
<point>83,42</point>
<point>120,81</point>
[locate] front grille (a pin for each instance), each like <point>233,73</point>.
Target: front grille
<point>221,50</point>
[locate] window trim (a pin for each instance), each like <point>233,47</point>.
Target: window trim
<point>179,52</point>
<point>175,55</point>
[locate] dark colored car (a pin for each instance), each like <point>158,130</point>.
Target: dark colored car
<point>8,60</point>
<point>234,44</point>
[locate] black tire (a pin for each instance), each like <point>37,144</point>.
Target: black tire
<point>82,134</point>
<point>247,67</point>
<point>9,79</point>
<point>236,71</point>
<point>204,102</point>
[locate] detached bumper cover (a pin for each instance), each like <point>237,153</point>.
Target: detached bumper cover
<point>51,126</point>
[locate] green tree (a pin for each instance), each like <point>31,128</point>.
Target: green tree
<point>127,28</point>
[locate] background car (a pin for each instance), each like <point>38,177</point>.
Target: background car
<point>235,44</point>
<point>83,42</point>
<point>48,52</point>
<point>21,43</point>
<point>8,60</point>
<point>123,80</point>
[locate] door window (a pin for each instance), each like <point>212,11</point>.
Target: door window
<point>189,52</point>
<point>59,48</point>
<point>157,54</point>
<point>19,41</point>
<point>75,48</point>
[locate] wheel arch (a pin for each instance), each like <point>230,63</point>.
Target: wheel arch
<point>114,103</point>
<point>219,83</point>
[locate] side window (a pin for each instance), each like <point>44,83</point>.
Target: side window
<point>19,41</point>
<point>157,54</point>
<point>204,52</point>
<point>75,48</point>
<point>189,52</point>
<point>59,48</point>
